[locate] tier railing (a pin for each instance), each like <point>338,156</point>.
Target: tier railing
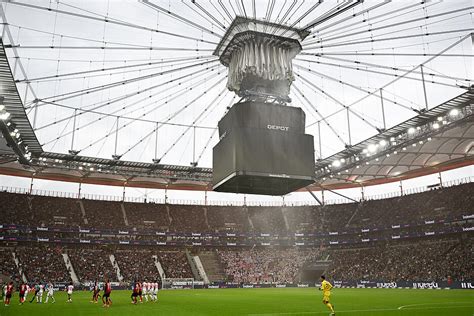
<point>278,203</point>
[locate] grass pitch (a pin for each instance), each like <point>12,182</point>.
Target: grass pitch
<point>289,301</point>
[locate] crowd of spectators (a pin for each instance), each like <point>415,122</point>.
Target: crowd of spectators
<point>267,219</point>
<point>188,218</point>
<point>303,218</point>
<point>53,211</point>
<point>429,259</point>
<point>228,218</point>
<point>432,259</point>
<point>15,209</point>
<point>175,264</point>
<point>43,263</point>
<point>91,264</point>
<point>8,268</point>
<point>147,216</point>
<point>424,260</point>
<point>265,265</point>
<point>437,204</point>
<point>136,265</point>
<point>104,214</point>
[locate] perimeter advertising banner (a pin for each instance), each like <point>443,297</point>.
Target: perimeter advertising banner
<point>424,285</point>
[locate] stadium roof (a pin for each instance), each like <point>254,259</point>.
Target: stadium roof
<point>432,148</point>
<point>97,107</point>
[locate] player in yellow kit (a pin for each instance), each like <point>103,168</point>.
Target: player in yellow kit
<point>326,288</point>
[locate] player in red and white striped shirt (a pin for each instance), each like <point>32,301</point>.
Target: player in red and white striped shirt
<point>9,293</point>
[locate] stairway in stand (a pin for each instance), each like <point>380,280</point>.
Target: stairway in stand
<point>212,265</point>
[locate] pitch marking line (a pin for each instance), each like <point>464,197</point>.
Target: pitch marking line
<point>362,310</point>
<point>430,304</point>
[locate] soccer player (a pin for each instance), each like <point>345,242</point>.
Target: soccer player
<point>151,291</point>
<point>23,292</point>
<point>326,288</point>
<point>140,292</point>
<point>95,292</point>
<point>135,292</point>
<point>106,297</point>
<point>4,291</point>
<point>70,288</point>
<point>146,290</point>
<point>50,294</point>
<point>155,291</point>
<point>39,293</point>
<point>8,293</point>
<point>34,289</point>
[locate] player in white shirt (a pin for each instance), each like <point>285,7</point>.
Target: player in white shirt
<point>145,290</point>
<point>70,288</point>
<point>150,290</point>
<point>155,291</point>
<point>39,294</point>
<point>50,293</point>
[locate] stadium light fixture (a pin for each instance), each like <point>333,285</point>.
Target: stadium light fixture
<point>440,118</point>
<point>383,142</point>
<point>372,148</point>
<point>454,112</point>
<point>336,163</point>
<point>411,130</point>
<point>4,116</point>
<point>435,125</point>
